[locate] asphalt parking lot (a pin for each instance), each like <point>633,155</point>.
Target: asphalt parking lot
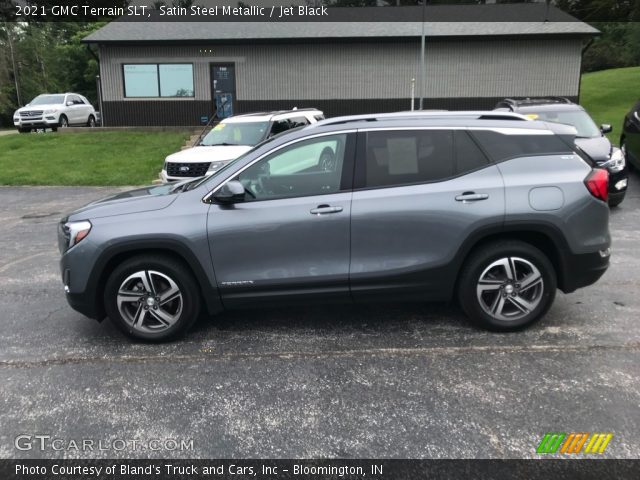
<point>392,381</point>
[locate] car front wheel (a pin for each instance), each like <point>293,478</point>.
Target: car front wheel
<point>63,122</point>
<point>91,122</point>
<point>506,286</point>
<point>152,298</point>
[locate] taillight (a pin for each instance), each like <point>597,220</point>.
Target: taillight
<point>597,183</point>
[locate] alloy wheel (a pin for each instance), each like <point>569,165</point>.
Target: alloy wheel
<point>149,301</point>
<point>510,288</point>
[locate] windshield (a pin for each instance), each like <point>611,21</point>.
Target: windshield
<point>245,133</point>
<point>577,118</point>
<point>48,100</point>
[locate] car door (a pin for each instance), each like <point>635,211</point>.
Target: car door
<point>86,109</point>
<point>289,238</point>
<point>75,110</point>
<point>418,195</point>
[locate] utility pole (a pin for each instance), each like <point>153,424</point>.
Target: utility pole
<point>422,63</point>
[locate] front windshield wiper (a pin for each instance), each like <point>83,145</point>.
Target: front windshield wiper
<point>225,144</point>
<point>183,187</point>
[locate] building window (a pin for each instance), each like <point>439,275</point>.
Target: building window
<point>158,80</point>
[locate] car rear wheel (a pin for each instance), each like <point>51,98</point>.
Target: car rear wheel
<point>506,286</point>
<point>152,298</point>
<point>91,122</point>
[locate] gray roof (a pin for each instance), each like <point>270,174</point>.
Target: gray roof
<point>488,21</point>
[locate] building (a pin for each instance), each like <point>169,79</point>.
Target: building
<point>181,73</point>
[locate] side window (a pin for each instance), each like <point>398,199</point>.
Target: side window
<point>311,167</point>
<point>503,147</point>
<point>279,126</point>
<point>406,157</point>
<point>298,122</point>
<point>468,155</point>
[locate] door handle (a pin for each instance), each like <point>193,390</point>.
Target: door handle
<point>324,209</point>
<point>467,197</point>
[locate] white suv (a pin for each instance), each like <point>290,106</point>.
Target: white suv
<point>53,111</point>
<point>230,138</point>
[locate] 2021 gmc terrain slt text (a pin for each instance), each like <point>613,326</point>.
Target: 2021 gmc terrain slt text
<point>488,208</point>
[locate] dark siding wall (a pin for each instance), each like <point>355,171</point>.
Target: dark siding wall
<point>155,113</point>
<point>177,113</point>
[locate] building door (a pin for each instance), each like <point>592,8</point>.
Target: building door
<point>223,78</point>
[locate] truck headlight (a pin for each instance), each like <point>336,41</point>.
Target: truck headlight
<point>617,161</point>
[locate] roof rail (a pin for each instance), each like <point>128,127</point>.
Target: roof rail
<point>376,117</point>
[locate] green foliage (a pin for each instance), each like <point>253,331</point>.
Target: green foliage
<point>88,158</point>
<point>608,96</point>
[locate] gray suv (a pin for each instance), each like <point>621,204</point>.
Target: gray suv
<point>488,208</point>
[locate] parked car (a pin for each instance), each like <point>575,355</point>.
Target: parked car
<point>230,138</point>
<point>488,208</point>
<point>630,138</point>
<point>590,138</point>
<point>53,111</point>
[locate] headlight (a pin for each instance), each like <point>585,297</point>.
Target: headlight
<point>74,232</point>
<point>215,166</point>
<point>51,110</point>
<point>617,161</point>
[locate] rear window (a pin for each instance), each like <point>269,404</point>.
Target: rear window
<point>502,147</point>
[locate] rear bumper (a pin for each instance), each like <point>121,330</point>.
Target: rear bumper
<point>583,270</point>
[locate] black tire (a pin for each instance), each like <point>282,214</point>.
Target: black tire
<point>91,123</point>
<point>24,130</point>
<point>63,122</point>
<point>478,264</point>
<point>160,267</point>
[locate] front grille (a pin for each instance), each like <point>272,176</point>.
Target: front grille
<point>31,113</point>
<point>187,169</point>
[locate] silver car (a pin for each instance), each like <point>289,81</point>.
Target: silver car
<point>489,209</point>
<point>53,111</point>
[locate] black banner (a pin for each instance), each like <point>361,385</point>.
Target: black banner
<point>264,11</point>
<point>552,469</point>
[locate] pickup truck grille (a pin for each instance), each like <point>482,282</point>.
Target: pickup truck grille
<point>31,113</point>
<point>187,169</point>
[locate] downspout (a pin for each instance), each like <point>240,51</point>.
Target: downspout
<point>98,84</point>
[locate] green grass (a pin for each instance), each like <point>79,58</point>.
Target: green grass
<point>608,95</point>
<point>87,158</point>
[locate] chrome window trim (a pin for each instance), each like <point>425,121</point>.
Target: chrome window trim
<point>207,197</point>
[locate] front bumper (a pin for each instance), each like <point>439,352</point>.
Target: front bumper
<point>47,121</point>
<point>618,181</point>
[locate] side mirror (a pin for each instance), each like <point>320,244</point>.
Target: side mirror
<point>230,192</point>
<point>69,104</point>
<point>605,128</point>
